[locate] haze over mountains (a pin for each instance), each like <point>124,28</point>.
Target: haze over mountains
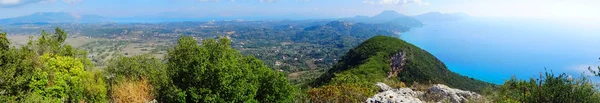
<point>66,17</point>
<point>54,17</point>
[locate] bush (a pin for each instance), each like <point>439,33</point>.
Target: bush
<point>47,70</point>
<point>342,93</point>
<point>551,89</point>
<point>215,72</point>
<point>63,79</point>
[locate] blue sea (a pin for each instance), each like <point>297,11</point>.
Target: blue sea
<point>493,49</point>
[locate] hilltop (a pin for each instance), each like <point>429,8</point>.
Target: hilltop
<point>381,58</point>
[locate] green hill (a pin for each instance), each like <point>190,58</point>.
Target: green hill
<point>370,62</point>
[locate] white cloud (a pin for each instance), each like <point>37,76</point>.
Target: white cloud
<point>583,68</point>
<point>269,1</point>
<point>262,1</point>
<point>396,2</point>
<point>208,0</point>
<point>16,3</point>
<point>72,1</point>
<point>9,2</point>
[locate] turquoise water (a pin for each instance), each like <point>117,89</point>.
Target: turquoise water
<point>493,50</point>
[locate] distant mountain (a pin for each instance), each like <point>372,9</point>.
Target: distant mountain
<point>382,58</point>
<point>387,17</point>
<point>437,16</point>
<point>349,31</point>
<point>54,17</point>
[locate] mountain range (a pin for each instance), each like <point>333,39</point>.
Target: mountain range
<point>54,17</point>
<point>387,16</point>
<point>437,17</point>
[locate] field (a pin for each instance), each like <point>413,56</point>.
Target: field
<point>103,50</point>
<point>75,41</point>
<point>17,40</point>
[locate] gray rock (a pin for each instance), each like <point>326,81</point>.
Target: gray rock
<point>400,95</point>
<point>436,92</point>
<point>455,95</point>
<point>383,86</point>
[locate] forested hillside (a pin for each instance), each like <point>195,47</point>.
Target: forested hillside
<point>355,75</point>
<point>369,62</point>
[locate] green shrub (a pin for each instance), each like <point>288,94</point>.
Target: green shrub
<point>63,79</point>
<point>550,89</point>
<point>215,72</point>
<point>47,70</point>
<point>340,93</point>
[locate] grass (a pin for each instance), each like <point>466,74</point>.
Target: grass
<point>129,91</point>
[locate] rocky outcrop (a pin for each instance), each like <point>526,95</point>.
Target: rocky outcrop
<point>442,92</point>
<point>390,95</point>
<point>436,93</point>
<point>397,62</point>
<point>383,86</point>
<point>402,95</point>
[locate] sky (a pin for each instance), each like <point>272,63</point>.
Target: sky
<point>576,9</point>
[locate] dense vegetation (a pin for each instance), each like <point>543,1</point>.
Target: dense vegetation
<point>214,72</point>
<point>48,70</point>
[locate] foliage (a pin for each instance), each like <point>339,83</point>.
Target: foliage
<point>95,86</point>
<point>395,83</point>
<point>369,63</point>
<point>4,43</point>
<point>340,93</point>
<point>62,79</point>
<point>47,70</point>
<point>214,72</point>
<point>550,89</point>
<point>594,72</point>
<point>17,68</point>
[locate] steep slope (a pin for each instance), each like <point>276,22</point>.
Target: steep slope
<point>370,62</point>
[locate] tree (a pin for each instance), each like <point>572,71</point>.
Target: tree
<point>4,43</point>
<point>47,70</point>
<point>214,72</point>
<point>63,79</point>
<point>17,68</point>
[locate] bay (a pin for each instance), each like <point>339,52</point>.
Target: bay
<point>493,49</point>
